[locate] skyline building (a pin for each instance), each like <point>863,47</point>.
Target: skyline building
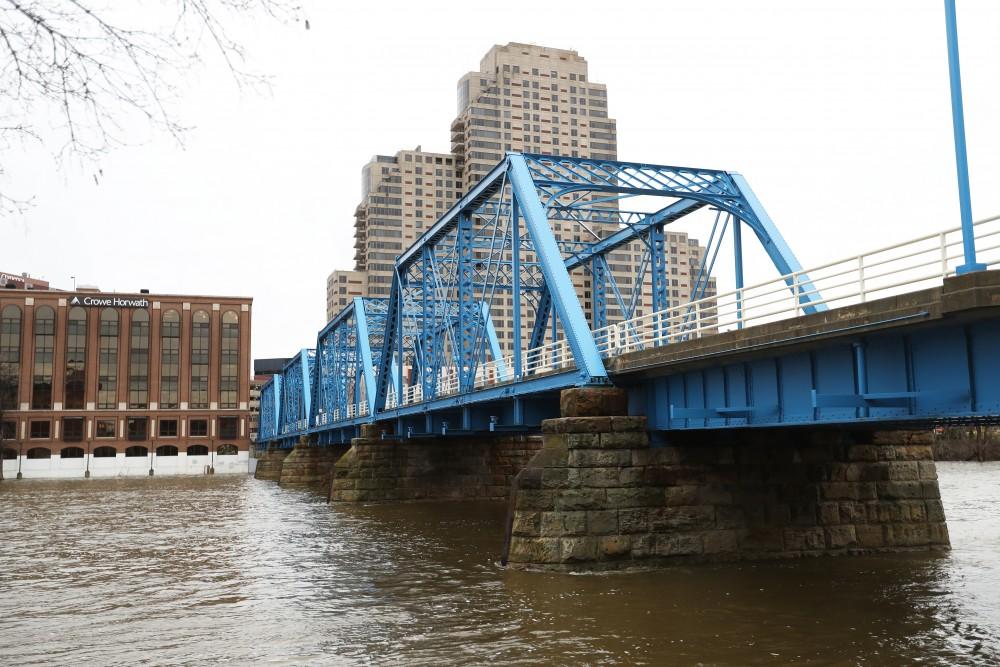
<point>524,99</point>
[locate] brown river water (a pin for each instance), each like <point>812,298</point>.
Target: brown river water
<point>208,571</point>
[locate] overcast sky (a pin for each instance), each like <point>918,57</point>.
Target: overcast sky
<point>836,112</point>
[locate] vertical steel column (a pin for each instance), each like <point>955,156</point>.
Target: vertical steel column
<point>515,236</point>
<point>961,158</point>
<point>468,315</point>
<point>599,271</point>
<point>738,254</point>
<point>427,339</point>
<point>661,291</point>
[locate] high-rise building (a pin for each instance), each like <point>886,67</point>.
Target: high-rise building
<point>401,196</point>
<point>526,99</point>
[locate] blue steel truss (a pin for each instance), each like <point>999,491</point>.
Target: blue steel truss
<point>521,245</point>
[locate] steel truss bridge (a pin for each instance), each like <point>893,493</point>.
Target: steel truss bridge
<point>428,361</point>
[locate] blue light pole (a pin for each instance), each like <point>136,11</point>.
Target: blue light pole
<point>961,158</point>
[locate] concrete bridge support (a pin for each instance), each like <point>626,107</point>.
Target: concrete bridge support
<point>269,465</point>
<point>377,470</point>
<point>597,496</point>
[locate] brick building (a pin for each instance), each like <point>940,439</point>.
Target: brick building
<point>113,384</point>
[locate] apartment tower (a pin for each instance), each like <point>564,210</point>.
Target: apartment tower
<point>524,98</point>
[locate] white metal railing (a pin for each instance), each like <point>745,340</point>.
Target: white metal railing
<point>897,269</point>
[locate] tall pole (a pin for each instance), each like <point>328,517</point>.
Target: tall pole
<point>961,158</point>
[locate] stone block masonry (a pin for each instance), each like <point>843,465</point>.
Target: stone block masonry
<point>376,470</point>
<point>597,496</point>
<point>310,465</point>
<point>269,465</point>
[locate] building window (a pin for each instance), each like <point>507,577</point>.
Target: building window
<point>40,429</point>
<point>105,452</point>
<point>229,427</point>
<point>105,428</point>
<point>199,428</point>
<point>107,361</point>
<point>45,329</point>
<point>72,429</point>
<point>136,428</point>
<point>197,450</point>
<point>227,450</point>
<point>8,430</point>
<point>76,358</point>
<point>138,361</point>
<point>166,450</point>
<point>136,450</point>
<point>71,453</point>
<point>39,453</point>
<point>199,360</point>
<point>10,356</point>
<point>168,428</point>
<point>230,361</point>
<point>170,361</point>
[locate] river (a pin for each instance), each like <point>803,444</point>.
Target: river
<point>213,570</point>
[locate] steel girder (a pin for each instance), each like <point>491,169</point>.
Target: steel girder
<point>495,251</point>
<point>296,394</point>
<point>270,409</point>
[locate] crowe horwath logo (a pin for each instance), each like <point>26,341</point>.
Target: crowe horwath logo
<point>110,301</point>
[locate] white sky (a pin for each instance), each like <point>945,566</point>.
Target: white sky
<point>837,113</point>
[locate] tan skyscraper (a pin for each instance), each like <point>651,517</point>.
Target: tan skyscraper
<point>401,196</point>
<point>524,98</point>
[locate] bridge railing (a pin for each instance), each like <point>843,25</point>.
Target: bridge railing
<point>897,269</point>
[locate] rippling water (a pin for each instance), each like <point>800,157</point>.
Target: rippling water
<point>201,571</point>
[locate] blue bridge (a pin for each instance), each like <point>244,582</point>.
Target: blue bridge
<point>567,251</point>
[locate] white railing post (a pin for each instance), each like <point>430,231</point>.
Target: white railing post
<point>861,277</point>
<point>944,255</point>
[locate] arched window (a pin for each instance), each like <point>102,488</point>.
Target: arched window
<point>200,327</point>
<point>71,453</point>
<point>107,387</point>
<point>76,358</point>
<point>197,450</point>
<point>170,360</point>
<point>45,336</point>
<point>10,356</point>
<point>227,450</point>
<point>229,367</point>
<point>105,452</point>
<point>39,453</point>
<point>138,361</point>
<point>136,450</point>
<point>166,450</point>
<point>9,454</point>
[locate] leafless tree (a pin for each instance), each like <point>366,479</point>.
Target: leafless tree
<point>75,74</point>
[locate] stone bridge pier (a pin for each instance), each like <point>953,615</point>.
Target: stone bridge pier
<point>388,470</point>
<point>598,496</point>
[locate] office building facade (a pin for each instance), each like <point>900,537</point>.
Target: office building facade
<point>121,384</point>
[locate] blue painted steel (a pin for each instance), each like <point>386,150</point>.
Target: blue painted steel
<point>560,286</point>
<point>738,258</point>
<point>919,373</point>
<point>961,157</point>
<point>435,330</point>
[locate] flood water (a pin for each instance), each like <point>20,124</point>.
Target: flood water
<point>205,571</point>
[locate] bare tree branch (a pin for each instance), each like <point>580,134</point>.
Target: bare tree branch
<point>73,75</point>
